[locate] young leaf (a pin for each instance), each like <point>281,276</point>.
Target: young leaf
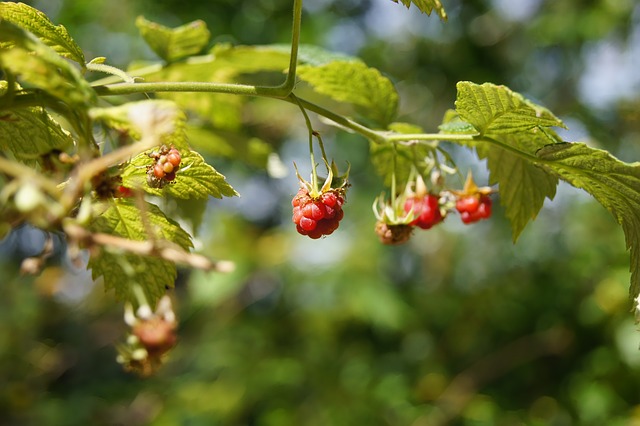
<point>615,184</point>
<point>36,22</point>
<point>426,6</point>
<point>194,179</point>
<point>120,269</point>
<point>36,64</point>
<point>496,109</point>
<point>173,44</point>
<point>373,95</point>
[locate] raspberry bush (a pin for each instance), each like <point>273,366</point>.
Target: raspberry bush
<point>84,159</point>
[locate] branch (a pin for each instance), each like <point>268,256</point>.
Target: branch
<point>281,91</point>
<point>162,249</point>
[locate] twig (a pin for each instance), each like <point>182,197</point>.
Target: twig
<point>163,249</point>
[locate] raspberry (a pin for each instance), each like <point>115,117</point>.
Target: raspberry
<point>468,204</point>
<point>174,157</point>
<point>158,171</point>
<point>163,170</point>
<point>317,217</point>
<point>426,210</point>
<point>473,208</point>
<point>393,234</point>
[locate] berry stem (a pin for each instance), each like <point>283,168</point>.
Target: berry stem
<point>307,120</point>
<point>324,154</point>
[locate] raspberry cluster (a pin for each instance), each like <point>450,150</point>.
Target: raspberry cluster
<point>473,208</point>
<point>166,164</point>
<point>315,217</point>
<point>420,207</point>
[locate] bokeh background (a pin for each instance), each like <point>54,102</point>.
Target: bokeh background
<point>458,326</point>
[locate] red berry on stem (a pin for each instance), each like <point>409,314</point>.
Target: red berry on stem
<point>426,211</point>
<point>468,203</point>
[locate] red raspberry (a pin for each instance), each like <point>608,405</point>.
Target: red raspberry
<point>482,208</point>
<point>468,204</point>
<point>426,210</point>
<point>317,217</point>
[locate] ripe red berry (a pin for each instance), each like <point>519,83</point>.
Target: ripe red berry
<point>426,211</point>
<point>482,210</point>
<point>469,203</point>
<point>317,217</point>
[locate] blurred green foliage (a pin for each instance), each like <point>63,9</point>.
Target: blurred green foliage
<point>458,326</point>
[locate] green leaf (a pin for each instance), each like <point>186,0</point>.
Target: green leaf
<point>194,179</point>
<point>173,44</point>
<point>353,82</point>
<point>36,22</point>
<point>426,6</point>
<point>496,109</point>
<point>407,157</point>
<point>523,184</point>
<point>615,184</point>
<point>31,132</point>
<point>224,64</point>
<point>36,64</point>
<point>121,270</point>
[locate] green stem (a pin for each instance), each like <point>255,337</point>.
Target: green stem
<point>281,91</point>
<point>108,69</point>
<point>307,120</point>
<point>324,153</point>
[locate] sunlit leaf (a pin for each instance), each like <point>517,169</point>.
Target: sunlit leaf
<point>615,184</point>
<point>496,109</point>
<point>353,82</point>
<point>426,6</point>
<point>36,22</point>
<point>173,44</point>
<point>194,179</point>
<point>121,270</point>
<point>37,65</point>
<point>523,185</point>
